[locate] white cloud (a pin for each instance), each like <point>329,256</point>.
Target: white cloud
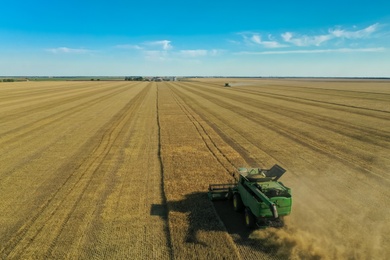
<point>256,38</point>
<point>193,53</point>
<point>68,50</point>
<point>268,44</point>
<point>164,44</point>
<point>306,40</point>
<point>251,38</point>
<point>152,50</point>
<point>199,53</point>
<point>129,46</point>
<point>355,34</point>
<point>317,40</point>
<point>341,50</point>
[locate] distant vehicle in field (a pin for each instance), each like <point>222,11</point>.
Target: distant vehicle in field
<point>259,194</point>
<point>227,85</point>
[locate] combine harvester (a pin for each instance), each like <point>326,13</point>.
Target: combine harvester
<point>258,192</point>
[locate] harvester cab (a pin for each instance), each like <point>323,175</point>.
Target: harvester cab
<point>258,192</point>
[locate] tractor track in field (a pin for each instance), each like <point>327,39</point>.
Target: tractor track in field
<point>381,139</point>
<point>13,98</point>
<point>107,141</point>
<point>208,141</point>
<point>356,169</point>
<point>114,170</point>
<point>47,105</point>
<point>234,224</point>
<point>325,91</point>
<point>306,116</point>
<point>100,151</point>
<point>48,120</point>
<point>236,146</point>
<point>162,178</point>
<point>250,160</point>
<point>300,138</point>
<point>329,91</point>
<point>58,116</point>
<point>120,124</point>
<point>337,107</point>
<point>327,123</point>
<point>322,185</point>
<point>245,153</point>
<point>52,91</point>
<point>29,129</point>
<point>360,95</point>
<point>384,114</point>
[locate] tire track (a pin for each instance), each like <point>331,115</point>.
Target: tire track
<point>130,214</point>
<point>161,164</point>
<point>29,131</point>
<point>373,136</point>
<point>247,248</point>
<point>191,234</point>
<point>60,115</point>
<point>302,139</point>
<point>245,154</point>
<point>114,130</point>
<point>84,171</point>
<point>350,94</point>
<point>208,141</point>
<point>51,91</point>
<point>326,104</point>
<point>339,186</point>
<point>46,106</point>
<point>306,101</point>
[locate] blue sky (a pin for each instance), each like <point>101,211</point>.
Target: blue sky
<point>199,38</point>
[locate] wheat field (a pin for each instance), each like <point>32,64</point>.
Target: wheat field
<point>120,170</point>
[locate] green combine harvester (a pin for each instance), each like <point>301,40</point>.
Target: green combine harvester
<point>259,194</point>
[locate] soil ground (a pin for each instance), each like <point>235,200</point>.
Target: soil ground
<point>121,169</point>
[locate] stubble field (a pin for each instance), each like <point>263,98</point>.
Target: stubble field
<point>120,170</point>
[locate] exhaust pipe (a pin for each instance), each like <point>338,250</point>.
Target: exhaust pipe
<point>274,210</point>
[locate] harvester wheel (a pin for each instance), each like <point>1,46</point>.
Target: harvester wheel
<point>237,203</point>
<point>230,194</point>
<point>250,220</point>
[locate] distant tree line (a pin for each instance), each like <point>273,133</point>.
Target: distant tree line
<point>139,78</point>
<point>134,78</point>
<point>7,80</point>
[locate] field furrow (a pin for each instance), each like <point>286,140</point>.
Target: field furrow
<point>322,180</point>
<point>120,170</point>
<point>28,132</point>
<point>309,132</point>
<point>73,208</point>
<point>191,161</point>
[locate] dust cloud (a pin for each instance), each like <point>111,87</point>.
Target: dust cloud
<point>239,84</point>
<point>295,243</point>
<point>326,225</point>
<point>291,243</point>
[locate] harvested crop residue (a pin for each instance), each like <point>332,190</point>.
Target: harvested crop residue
<point>291,243</point>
